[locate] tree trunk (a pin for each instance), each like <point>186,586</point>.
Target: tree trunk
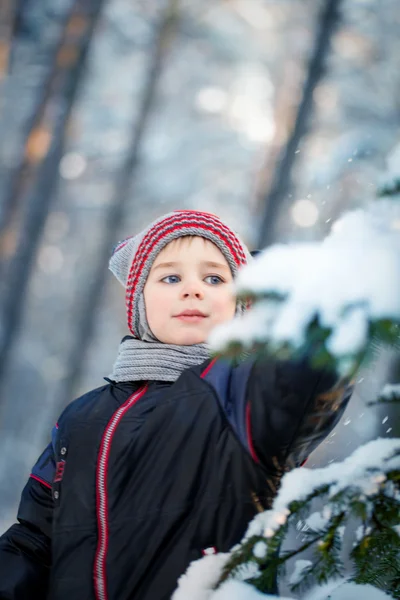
<point>85,320</point>
<point>282,180</point>
<point>46,153</point>
<point>17,178</point>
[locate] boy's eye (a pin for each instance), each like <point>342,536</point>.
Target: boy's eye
<point>214,279</point>
<point>171,279</point>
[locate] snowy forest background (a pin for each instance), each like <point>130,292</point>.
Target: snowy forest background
<point>276,115</point>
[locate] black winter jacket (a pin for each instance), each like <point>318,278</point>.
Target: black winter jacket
<point>141,478</point>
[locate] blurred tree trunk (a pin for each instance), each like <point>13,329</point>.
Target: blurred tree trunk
<point>85,319</point>
<point>44,150</point>
<point>6,29</point>
<point>276,194</point>
<point>20,174</point>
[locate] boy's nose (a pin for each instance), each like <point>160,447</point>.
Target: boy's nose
<point>193,291</point>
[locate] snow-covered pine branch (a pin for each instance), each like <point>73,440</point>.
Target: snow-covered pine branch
<point>332,300</point>
<point>366,485</point>
<point>333,295</point>
<point>329,299</point>
<point>390,393</point>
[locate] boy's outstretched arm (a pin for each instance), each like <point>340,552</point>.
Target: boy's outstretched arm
<point>25,548</point>
<point>291,408</point>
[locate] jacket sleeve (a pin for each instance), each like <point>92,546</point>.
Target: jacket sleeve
<point>25,549</point>
<point>291,407</point>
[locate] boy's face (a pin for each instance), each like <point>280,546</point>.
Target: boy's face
<point>188,291</point>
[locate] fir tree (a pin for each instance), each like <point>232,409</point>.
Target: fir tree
<point>335,315</point>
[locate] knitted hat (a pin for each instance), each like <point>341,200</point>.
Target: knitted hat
<point>132,258</point>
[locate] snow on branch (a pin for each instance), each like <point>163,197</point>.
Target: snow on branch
<point>336,590</point>
<point>365,486</point>
<point>390,393</point>
<point>358,471</point>
<point>337,293</point>
<point>344,590</point>
<point>332,300</point>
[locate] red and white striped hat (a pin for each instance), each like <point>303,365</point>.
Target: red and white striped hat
<point>132,258</point>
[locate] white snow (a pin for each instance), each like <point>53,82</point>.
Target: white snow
<point>350,334</point>
<point>362,531</point>
<point>316,521</point>
<point>248,570</point>
<point>200,578</point>
<point>250,326</point>
<point>322,592</point>
<point>350,278</point>
<point>357,470</point>
<point>237,590</point>
<point>364,469</point>
<point>391,491</point>
<point>260,550</point>
<point>391,391</point>
<point>341,530</point>
<point>341,590</point>
<point>359,532</point>
<point>338,589</point>
<point>299,567</point>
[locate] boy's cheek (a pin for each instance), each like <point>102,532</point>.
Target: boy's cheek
<point>229,307</point>
<point>225,311</point>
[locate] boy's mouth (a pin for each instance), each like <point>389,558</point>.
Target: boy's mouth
<point>191,316</point>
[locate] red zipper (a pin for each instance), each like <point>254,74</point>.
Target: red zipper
<point>100,580</point>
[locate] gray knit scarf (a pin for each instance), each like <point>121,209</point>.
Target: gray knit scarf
<point>148,359</point>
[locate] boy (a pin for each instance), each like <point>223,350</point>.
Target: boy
<point>177,452</point>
